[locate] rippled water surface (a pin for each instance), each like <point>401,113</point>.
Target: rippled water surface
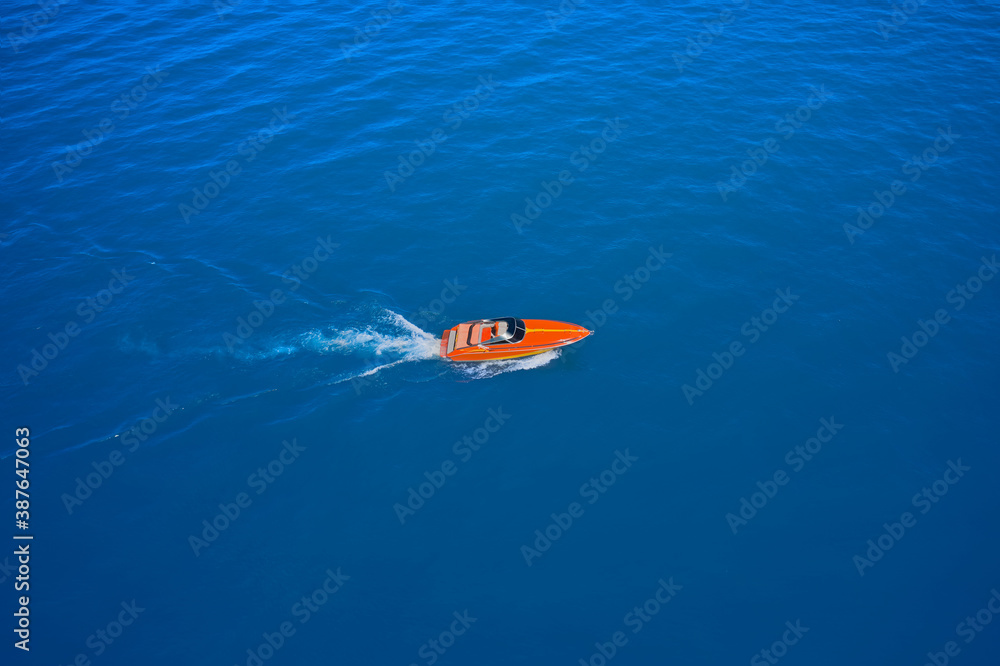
<point>233,233</point>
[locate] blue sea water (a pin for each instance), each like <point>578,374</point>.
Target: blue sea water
<point>233,233</point>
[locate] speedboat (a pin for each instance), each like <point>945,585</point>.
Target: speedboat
<point>507,337</point>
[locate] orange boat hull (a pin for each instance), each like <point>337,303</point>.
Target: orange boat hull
<point>464,342</point>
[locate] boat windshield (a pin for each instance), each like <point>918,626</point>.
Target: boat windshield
<point>508,330</point>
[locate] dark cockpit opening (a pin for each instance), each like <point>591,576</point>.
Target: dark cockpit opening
<point>505,330</point>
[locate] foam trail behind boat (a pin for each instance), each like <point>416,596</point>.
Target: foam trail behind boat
<point>391,336</point>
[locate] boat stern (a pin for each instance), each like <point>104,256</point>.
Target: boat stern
<point>448,342</point>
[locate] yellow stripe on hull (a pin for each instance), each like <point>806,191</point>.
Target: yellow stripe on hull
<point>505,358</point>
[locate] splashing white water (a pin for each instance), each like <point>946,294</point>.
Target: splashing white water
<point>391,337</point>
<point>407,341</point>
<point>494,368</point>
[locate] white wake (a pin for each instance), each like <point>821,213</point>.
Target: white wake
<point>402,339</point>
<point>389,341</point>
<point>493,368</point>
